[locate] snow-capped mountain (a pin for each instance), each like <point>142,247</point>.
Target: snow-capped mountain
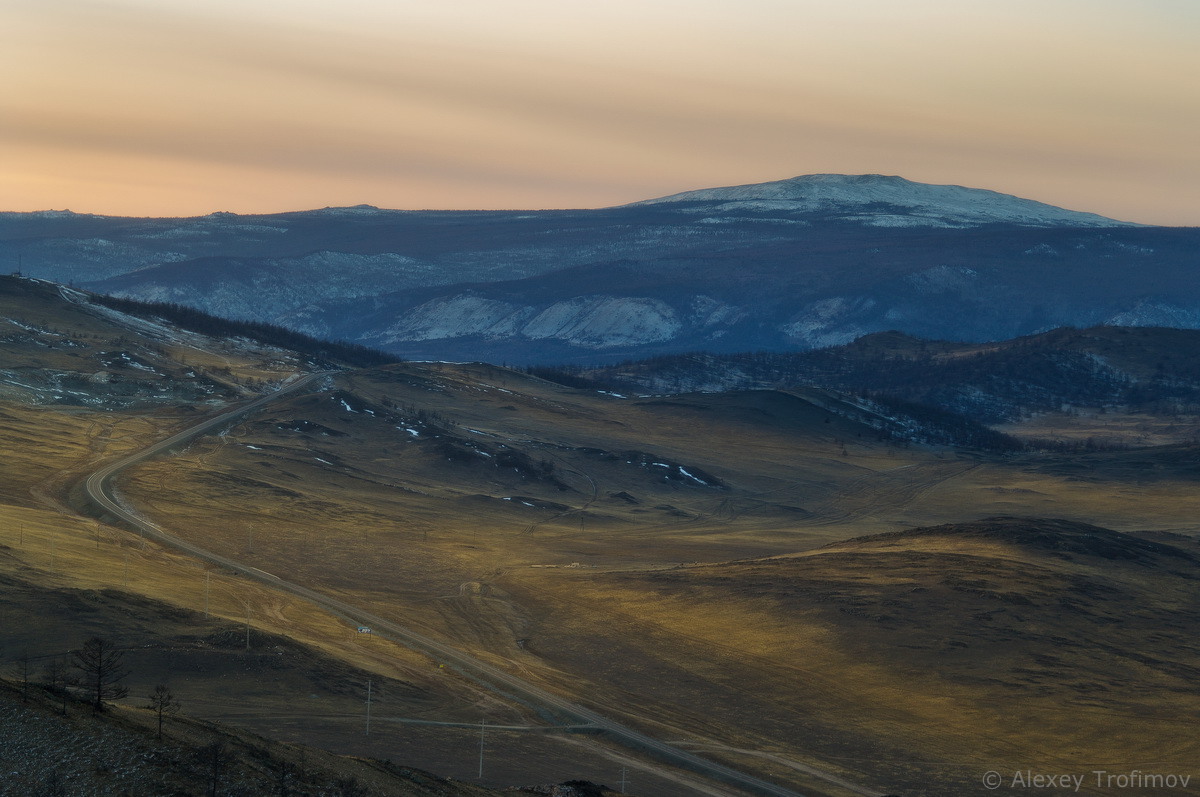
<point>881,201</point>
<point>794,264</point>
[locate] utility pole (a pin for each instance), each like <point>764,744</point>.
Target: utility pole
<point>482,725</point>
<point>624,785</point>
<point>207,575</point>
<point>247,626</point>
<point>368,733</point>
<point>125,582</point>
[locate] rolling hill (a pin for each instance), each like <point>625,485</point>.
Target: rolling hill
<point>1147,370</point>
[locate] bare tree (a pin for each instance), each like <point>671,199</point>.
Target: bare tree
<point>213,758</point>
<point>52,786</point>
<point>22,670</point>
<point>348,787</point>
<point>162,702</point>
<point>101,671</point>
<point>57,678</point>
<point>285,774</point>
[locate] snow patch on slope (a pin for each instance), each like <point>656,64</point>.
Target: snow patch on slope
<point>455,317</point>
<point>592,321</point>
<point>830,322</point>
<point>603,321</point>
<point>1156,314</point>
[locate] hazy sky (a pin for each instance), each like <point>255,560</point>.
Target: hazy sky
<point>182,107</point>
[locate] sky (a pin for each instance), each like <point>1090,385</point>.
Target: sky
<point>183,107</point>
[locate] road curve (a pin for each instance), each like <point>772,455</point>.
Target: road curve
<point>97,489</point>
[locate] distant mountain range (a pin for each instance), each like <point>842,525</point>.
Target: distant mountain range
<point>795,264</point>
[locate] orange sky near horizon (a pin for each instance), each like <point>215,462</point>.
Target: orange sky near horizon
<point>175,107</point>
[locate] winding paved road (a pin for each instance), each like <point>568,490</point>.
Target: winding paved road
<point>98,490</point>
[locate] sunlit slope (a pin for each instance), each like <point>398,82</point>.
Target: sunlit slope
<point>919,659</point>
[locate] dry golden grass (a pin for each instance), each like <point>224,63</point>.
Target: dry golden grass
<point>546,530</point>
<point>372,513</point>
<point>61,585</point>
<point>924,660</point>
<point>1107,428</point>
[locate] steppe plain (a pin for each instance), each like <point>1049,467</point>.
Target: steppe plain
<point>736,573</point>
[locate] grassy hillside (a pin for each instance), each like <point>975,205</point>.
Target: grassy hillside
<point>735,572</point>
<point>920,659</point>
